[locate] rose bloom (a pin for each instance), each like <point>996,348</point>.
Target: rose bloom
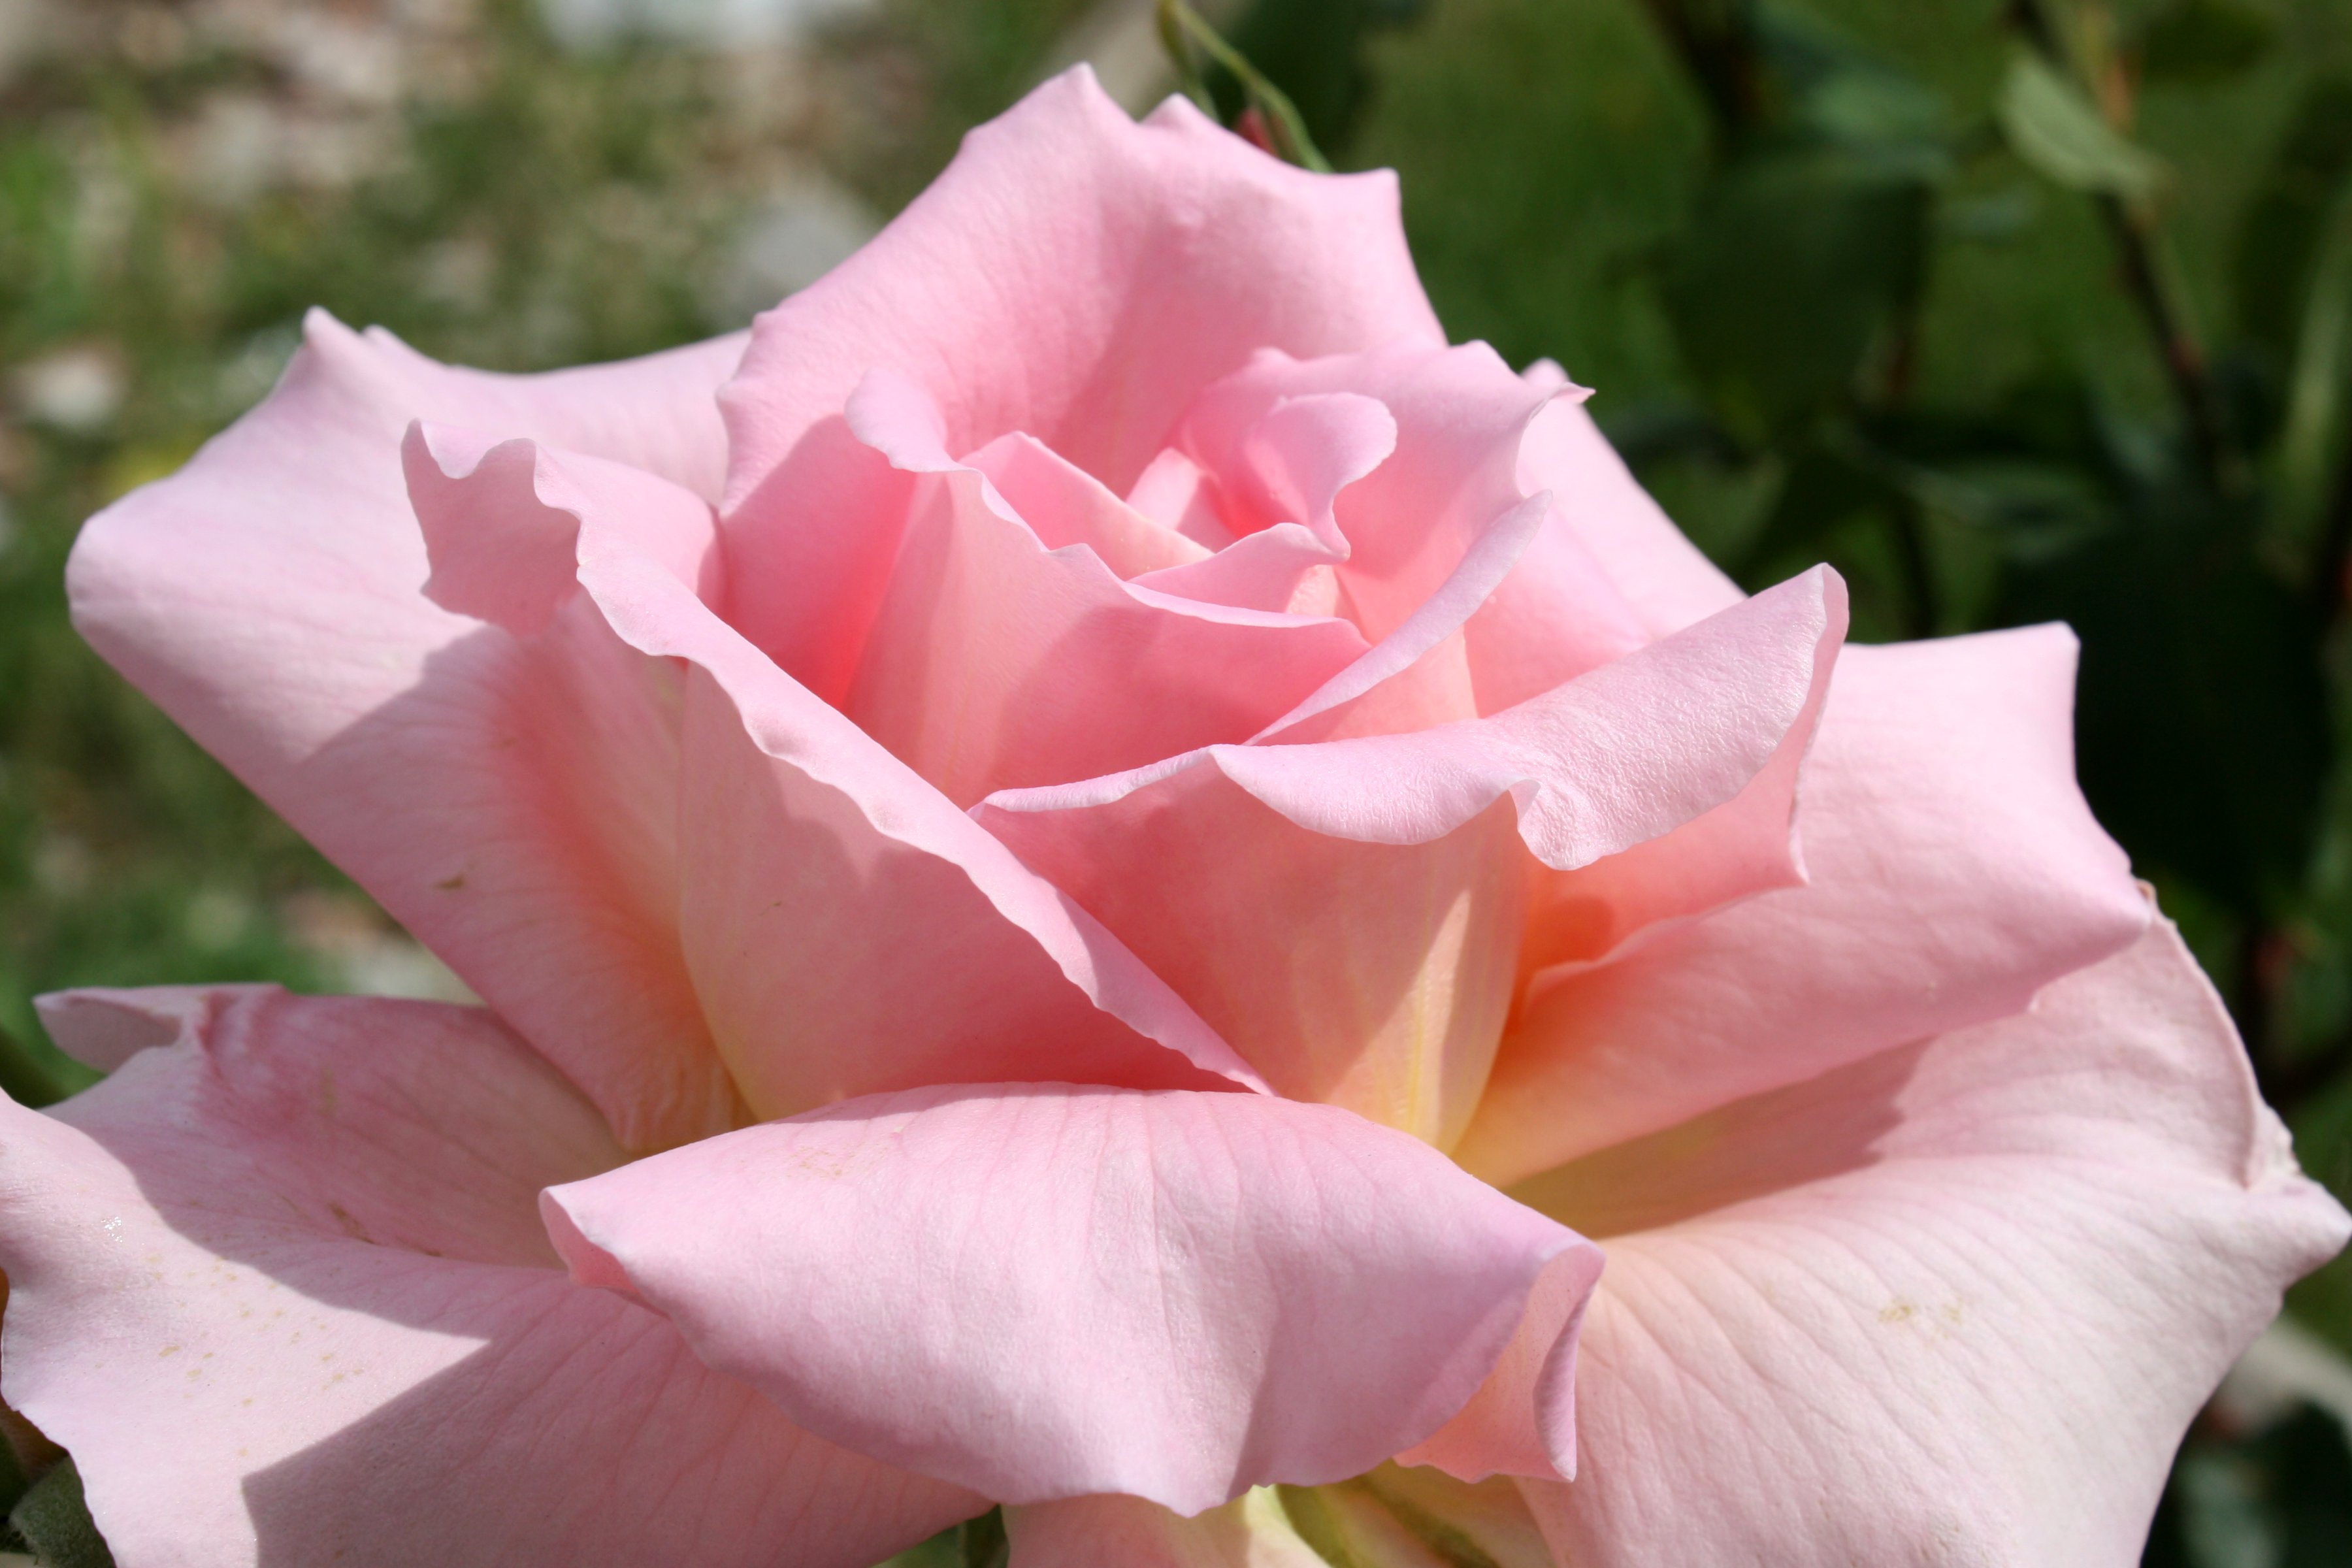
<point>1105,875</point>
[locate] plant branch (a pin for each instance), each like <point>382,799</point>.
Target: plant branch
<point>2132,227</point>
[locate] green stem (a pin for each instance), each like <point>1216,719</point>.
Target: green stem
<point>2132,229</point>
<point>983,1542</point>
<point>1180,28</point>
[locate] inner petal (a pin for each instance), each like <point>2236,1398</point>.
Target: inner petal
<point>1063,505</point>
<point>995,661</point>
<point>1277,492</point>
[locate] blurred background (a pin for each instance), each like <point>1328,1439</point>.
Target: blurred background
<point>2013,311</point>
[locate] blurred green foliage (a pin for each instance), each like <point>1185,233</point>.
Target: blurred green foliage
<point>2012,309</point>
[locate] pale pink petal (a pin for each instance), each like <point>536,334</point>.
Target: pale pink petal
<point>1251,1531</point>
<point>659,413</point>
<point>1177,493</point>
<point>1297,455</point>
<point>847,929</point>
<point>1464,425</point>
<point>105,1025</point>
<point>1279,493</point>
<point>1661,573</point>
<point>1065,505</point>
<point>1953,870</point>
<point>994,662</point>
<point>1080,277</point>
<point>1419,676</point>
<point>1285,567</point>
<point>510,801</point>
<point>517,564</point>
<point>1522,1420</point>
<point>1073,274</point>
<point>281,1288</point>
<point>1623,753</point>
<point>1749,845</point>
<point>1042,1291</point>
<point>1374,976</point>
<point>1953,1303</point>
<point>1366,896</point>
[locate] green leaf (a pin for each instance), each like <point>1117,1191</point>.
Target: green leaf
<point>13,1481</point>
<point>40,1075</point>
<point>2059,133</point>
<point>1795,262</point>
<point>55,1521</point>
<point>2201,719</point>
<point>2287,220</point>
<point>984,1541</point>
<point>2202,41</point>
<point>944,1549</point>
<point>2312,431</point>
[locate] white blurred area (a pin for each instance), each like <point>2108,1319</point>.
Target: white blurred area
<point>705,24</point>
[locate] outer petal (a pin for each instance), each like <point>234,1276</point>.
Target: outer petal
<point>1661,573</point>
<point>1365,894</point>
<point>105,1025</point>
<point>1080,277</point>
<point>1952,1304</point>
<point>847,927</point>
<point>1953,869</point>
<point>1072,274</point>
<point>1251,1531</point>
<point>1042,1291</point>
<point>509,801</point>
<point>281,1288</point>
<point>1522,1420</point>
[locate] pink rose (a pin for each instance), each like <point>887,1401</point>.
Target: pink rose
<point>1008,826</point>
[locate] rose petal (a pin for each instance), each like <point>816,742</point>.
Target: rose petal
<point>509,801</point>
<point>1463,424</point>
<point>1080,277</point>
<point>1373,976</point>
<point>1065,505</point>
<point>1661,573</point>
<point>994,662</point>
<point>1953,1303</point>
<point>1249,1531</point>
<point>1042,1291</point>
<point>1366,896</point>
<point>281,1288</point>
<point>1621,754</point>
<point>1073,274</point>
<point>1953,870</point>
<point>1522,1420</point>
<point>1419,675</point>
<point>1177,493</point>
<point>1287,471</point>
<point>105,1025</point>
<point>517,564</point>
<point>847,927</point>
